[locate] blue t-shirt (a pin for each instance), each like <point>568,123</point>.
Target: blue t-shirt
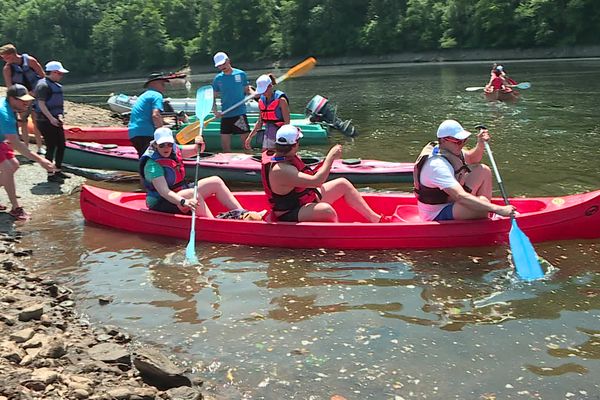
<point>140,121</point>
<point>8,121</point>
<point>231,89</point>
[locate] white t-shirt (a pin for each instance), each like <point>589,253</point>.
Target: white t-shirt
<point>438,173</point>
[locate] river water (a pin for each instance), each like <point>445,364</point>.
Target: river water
<point>309,324</point>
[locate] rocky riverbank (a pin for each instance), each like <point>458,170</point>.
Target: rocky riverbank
<point>48,350</point>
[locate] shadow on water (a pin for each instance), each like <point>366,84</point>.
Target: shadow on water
<point>302,324</point>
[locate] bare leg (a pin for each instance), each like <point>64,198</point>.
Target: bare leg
<point>460,212</point>
<point>7,179</point>
<point>208,187</point>
<point>24,132</point>
<point>341,187</point>
<point>479,180</point>
<point>243,137</point>
<point>226,143</point>
<point>317,212</point>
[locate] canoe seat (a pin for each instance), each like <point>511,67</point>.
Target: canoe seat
<point>407,213</point>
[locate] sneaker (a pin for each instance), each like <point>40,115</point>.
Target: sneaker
<point>55,178</point>
<point>41,152</point>
<point>19,214</point>
<point>385,219</point>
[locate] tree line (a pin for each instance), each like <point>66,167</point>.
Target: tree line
<point>116,36</point>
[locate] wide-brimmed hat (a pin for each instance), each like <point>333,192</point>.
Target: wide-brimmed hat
<point>451,128</point>
<point>156,76</point>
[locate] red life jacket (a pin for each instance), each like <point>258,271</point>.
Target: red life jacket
<point>172,165</point>
<point>272,112</point>
<point>427,194</point>
<point>298,196</point>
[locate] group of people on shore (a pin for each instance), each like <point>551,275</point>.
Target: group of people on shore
<point>450,182</point>
<point>31,91</point>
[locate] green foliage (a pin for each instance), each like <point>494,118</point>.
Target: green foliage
<point>112,36</point>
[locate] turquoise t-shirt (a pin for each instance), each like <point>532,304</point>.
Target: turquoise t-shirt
<point>140,121</point>
<point>8,120</point>
<point>231,89</point>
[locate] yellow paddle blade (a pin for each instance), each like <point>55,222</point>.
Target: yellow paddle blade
<point>298,70</point>
<point>188,133</point>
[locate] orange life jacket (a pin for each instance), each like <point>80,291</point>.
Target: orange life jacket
<point>272,112</point>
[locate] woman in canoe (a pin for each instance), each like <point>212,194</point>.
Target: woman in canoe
<point>274,112</point>
<point>163,174</point>
<point>299,194</point>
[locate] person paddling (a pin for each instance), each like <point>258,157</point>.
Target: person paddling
<point>274,112</point>
<point>163,174</point>
<point>450,182</point>
<point>297,193</point>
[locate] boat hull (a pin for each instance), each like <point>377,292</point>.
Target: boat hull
<point>122,103</point>
<point>511,96</point>
<point>542,219</point>
<point>232,167</point>
<point>314,134</point>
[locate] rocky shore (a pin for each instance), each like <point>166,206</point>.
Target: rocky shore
<point>48,350</point>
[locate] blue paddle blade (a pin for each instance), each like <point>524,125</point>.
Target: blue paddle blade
<point>523,254</point>
<point>524,85</point>
<point>204,101</point>
<point>190,250</point>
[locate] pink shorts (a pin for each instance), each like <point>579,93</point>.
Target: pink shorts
<point>6,152</point>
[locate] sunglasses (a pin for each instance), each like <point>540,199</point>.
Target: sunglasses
<point>163,145</point>
<point>457,141</point>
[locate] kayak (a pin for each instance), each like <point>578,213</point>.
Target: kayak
<point>509,96</point>
<point>232,167</point>
<point>541,219</point>
<point>314,134</point>
<point>122,103</point>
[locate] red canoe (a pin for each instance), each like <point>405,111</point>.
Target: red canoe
<point>100,134</point>
<point>542,219</point>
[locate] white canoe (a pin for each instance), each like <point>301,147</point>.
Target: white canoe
<point>122,103</point>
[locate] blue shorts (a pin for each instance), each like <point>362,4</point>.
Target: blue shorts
<point>445,214</point>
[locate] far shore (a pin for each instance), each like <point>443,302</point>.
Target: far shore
<point>445,55</point>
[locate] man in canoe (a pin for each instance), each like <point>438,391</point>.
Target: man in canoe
<point>450,182</point>
<point>297,193</point>
<point>274,112</point>
<point>17,100</point>
<point>163,174</point>
<point>27,71</point>
<point>231,85</point>
<point>146,113</point>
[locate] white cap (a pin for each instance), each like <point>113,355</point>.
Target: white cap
<point>262,83</point>
<point>288,134</point>
<point>163,135</point>
<point>220,58</point>
<point>500,68</point>
<point>451,128</point>
<point>55,66</point>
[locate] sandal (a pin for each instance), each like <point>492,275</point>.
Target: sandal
<point>19,214</point>
<point>3,207</point>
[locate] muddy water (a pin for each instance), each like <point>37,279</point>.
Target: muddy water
<point>309,324</point>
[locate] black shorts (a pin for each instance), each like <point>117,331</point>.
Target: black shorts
<point>290,216</point>
<point>235,125</point>
<point>141,143</point>
<point>166,206</point>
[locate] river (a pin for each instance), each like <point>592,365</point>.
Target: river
<point>309,324</point>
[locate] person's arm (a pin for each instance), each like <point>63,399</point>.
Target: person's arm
<point>257,126</point>
<point>157,119</point>
<point>295,178</point>
<point>35,65</point>
<point>285,110</point>
<point>54,121</point>
<point>161,186</point>
<point>15,143</point>
<point>7,73</point>
<point>474,155</point>
<point>458,195</point>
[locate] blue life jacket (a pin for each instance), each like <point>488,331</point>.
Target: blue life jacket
<point>23,73</point>
<point>174,170</point>
<point>55,102</point>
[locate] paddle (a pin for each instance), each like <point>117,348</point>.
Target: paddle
<point>204,102</point>
<point>187,134</point>
<point>522,85</point>
<point>524,257</point>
